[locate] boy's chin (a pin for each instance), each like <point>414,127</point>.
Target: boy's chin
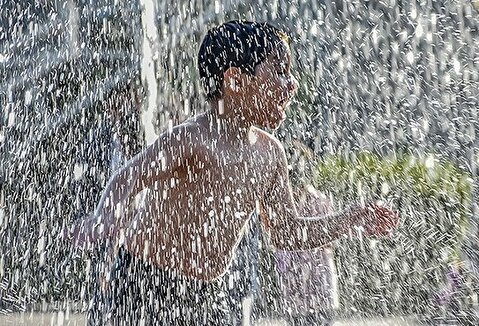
<point>273,124</point>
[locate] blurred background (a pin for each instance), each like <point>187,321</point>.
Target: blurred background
<point>387,110</point>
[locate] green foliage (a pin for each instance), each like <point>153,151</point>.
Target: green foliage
<point>400,274</point>
<point>424,177</point>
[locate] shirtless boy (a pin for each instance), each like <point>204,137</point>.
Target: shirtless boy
<point>205,177</point>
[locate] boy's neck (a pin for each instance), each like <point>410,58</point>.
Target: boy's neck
<point>228,121</point>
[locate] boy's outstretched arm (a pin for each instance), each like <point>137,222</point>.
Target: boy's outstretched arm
<point>156,163</point>
<point>289,231</point>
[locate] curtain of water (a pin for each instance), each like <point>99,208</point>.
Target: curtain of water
<point>391,77</point>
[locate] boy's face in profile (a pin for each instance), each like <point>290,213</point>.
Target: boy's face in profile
<point>271,89</point>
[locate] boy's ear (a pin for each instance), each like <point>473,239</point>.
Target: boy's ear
<point>233,80</point>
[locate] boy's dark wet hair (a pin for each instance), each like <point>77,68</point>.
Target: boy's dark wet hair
<point>237,43</point>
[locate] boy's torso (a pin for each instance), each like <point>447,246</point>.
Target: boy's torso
<point>192,221</point>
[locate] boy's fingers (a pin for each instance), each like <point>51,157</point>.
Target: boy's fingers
<point>387,215</point>
<point>384,221</point>
<point>381,221</point>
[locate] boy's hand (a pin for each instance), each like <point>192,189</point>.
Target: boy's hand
<point>379,220</point>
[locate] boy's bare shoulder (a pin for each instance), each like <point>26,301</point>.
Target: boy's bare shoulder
<point>268,140</point>
<point>191,130</point>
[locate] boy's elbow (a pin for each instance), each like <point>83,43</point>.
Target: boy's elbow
<point>282,241</point>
